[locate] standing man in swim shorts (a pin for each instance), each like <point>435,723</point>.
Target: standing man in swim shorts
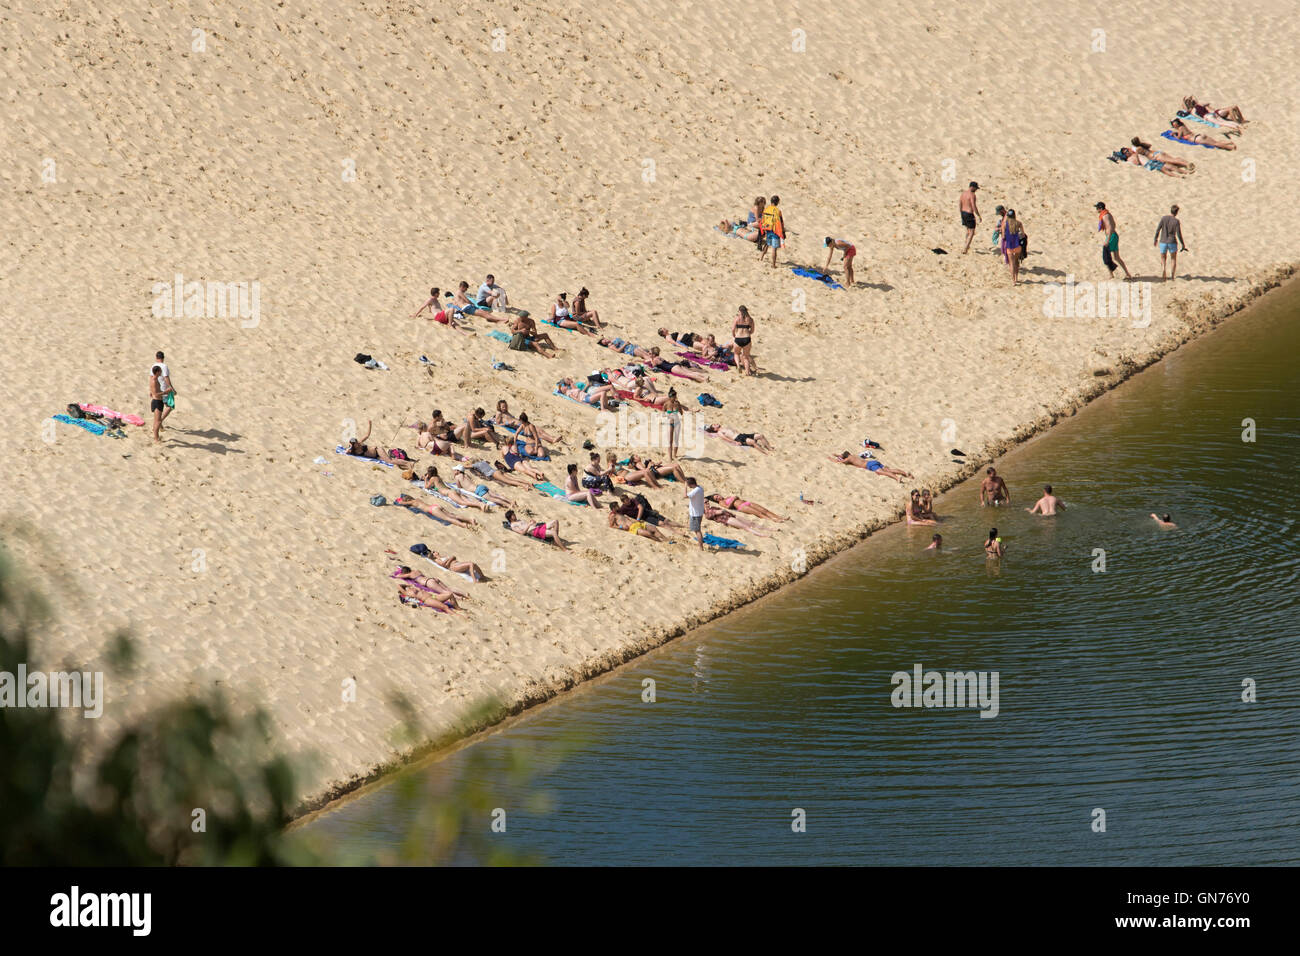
<point>695,509</point>
<point>970,212</point>
<point>168,390</point>
<point>993,490</point>
<point>1169,236</point>
<point>1110,241</point>
<point>773,230</point>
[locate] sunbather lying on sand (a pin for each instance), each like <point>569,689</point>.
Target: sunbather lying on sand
<point>490,472</point>
<point>870,464</point>
<point>437,511</point>
<point>733,437</point>
<point>659,468</point>
<point>433,482</point>
<point>465,483</point>
<point>516,462</point>
<point>679,367</point>
<point>1145,151</point>
<point>359,448</point>
<point>410,595</point>
<point>1206,110</point>
<point>541,530</point>
<point>722,516</point>
<point>686,340</point>
<point>456,566</point>
<point>600,395</point>
<point>621,346</point>
<point>1179,129</point>
<point>429,581</point>
<point>1132,157</point>
<point>530,437</point>
<point>641,528</point>
<point>738,230</point>
<point>734,503</point>
<point>436,442</point>
<point>622,473</point>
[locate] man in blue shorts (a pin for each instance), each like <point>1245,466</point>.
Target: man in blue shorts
<point>1169,236</point>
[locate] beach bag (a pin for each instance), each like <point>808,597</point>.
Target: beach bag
<point>704,398</point>
<point>378,501</point>
<point>519,342</point>
<point>421,549</point>
<point>361,358</point>
<point>74,411</point>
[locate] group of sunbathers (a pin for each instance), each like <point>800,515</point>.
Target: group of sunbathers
<point>1192,125</point>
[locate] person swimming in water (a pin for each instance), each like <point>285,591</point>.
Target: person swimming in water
<point>1049,504</point>
<point>993,546</point>
<point>936,543</point>
<point>1163,521</point>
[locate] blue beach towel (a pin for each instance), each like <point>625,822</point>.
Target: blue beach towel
<point>1169,135</point>
<point>726,544</point>
<point>95,428</point>
<point>499,336</point>
<point>340,450</point>
<point>819,276</point>
<point>555,492</point>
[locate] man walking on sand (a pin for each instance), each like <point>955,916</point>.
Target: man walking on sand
<point>773,230</point>
<point>165,384</point>
<point>156,396</point>
<point>1110,241</point>
<point>970,212</point>
<point>695,509</point>
<point>1169,236</point>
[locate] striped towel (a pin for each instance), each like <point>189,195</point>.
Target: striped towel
<point>555,492</point>
<point>341,450</point>
<point>95,428</point>
<point>109,413</point>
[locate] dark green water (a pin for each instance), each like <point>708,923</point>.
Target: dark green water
<point>1118,690</point>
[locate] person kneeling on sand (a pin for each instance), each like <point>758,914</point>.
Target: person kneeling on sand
<point>541,530</point>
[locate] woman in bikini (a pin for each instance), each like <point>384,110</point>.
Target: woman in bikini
<point>409,594</point>
<point>541,530</point>
<point>437,442</point>
<point>517,462</point>
<point>673,413</point>
<point>993,546</point>
<point>682,368</point>
<point>733,437</point>
<point>432,482</point>
<point>565,318</point>
<point>640,528</point>
<point>440,590</point>
<point>658,468</point>
<point>481,492</point>
<point>625,474</point>
<point>456,566</point>
<point>742,331</point>
<point>685,339</point>
<point>1179,129</point>
<point>599,395</point>
<point>573,491</point>
<point>1229,113</point>
<point>723,517</point>
<point>488,471</point>
<point>927,505</point>
<point>733,503</point>
<point>359,448</point>
<point>1149,155</point>
<point>913,510</point>
<point>871,465</point>
<point>475,427</point>
<point>436,511</point>
<point>509,422</point>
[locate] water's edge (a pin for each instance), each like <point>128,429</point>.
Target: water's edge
<point>541,692</point>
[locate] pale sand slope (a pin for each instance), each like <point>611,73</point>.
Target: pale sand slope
<point>226,165</point>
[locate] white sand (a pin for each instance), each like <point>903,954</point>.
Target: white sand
<point>227,165</point>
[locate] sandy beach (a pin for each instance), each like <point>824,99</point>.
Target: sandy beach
<point>344,161</point>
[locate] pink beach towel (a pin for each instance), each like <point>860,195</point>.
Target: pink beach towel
<point>701,360</point>
<point>109,413</point>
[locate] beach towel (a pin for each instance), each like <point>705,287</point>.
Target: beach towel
<point>424,513</point>
<point>699,359</point>
<point>499,336</point>
<point>1168,134</point>
<point>436,494</point>
<point>819,276</point>
<point>95,428</point>
<point>578,401</point>
<point>627,396</point>
<point>727,544</point>
<point>554,491</point>
<point>109,413</point>
<point>341,450</point>
<point>519,450</point>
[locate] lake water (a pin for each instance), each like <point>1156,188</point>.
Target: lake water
<point>1118,689</point>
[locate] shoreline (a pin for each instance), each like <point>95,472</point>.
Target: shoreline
<point>507,714</point>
